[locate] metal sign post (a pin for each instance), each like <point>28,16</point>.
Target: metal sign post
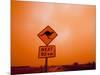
<point>46,64</point>
<point>48,51</point>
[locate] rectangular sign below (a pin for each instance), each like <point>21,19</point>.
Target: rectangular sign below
<point>47,51</point>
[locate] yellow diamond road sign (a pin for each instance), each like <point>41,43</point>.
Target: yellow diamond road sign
<point>47,35</point>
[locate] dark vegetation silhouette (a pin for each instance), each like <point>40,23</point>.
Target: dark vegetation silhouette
<point>74,67</point>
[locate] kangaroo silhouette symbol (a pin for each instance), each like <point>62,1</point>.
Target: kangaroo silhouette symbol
<point>48,34</point>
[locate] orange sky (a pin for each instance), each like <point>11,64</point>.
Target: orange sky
<point>74,24</point>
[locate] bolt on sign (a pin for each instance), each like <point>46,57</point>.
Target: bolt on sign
<point>47,35</point>
<point>47,51</point>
